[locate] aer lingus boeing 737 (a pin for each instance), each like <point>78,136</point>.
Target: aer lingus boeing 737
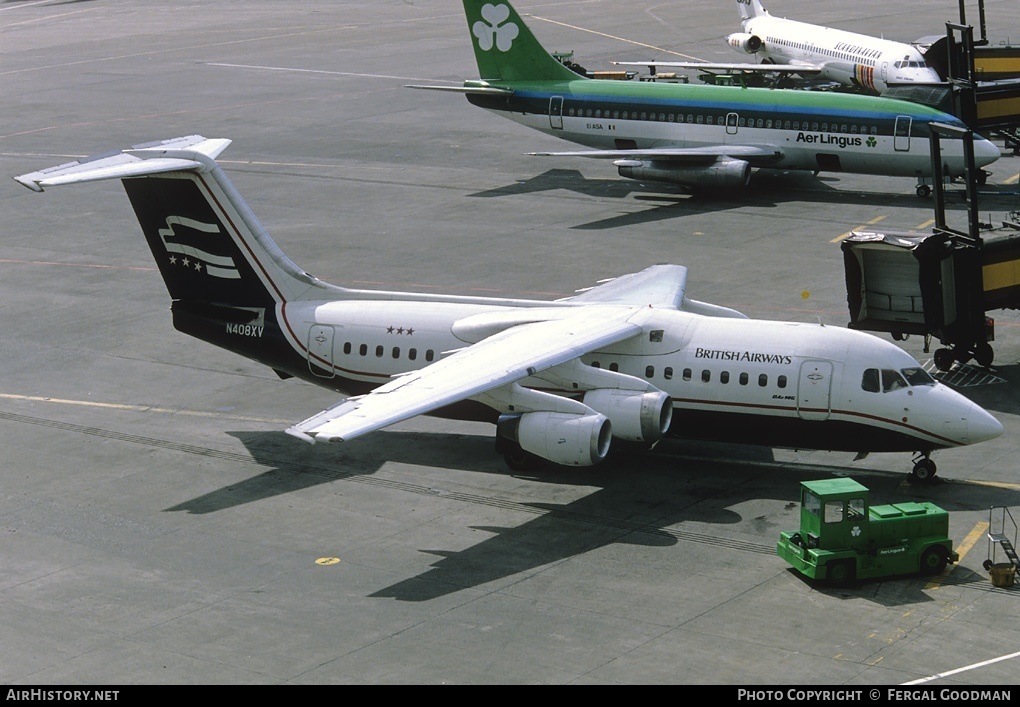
<point>631,359</point>
<point>698,135</point>
<point>871,64</point>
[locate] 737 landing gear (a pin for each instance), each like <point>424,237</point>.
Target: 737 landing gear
<point>924,468</point>
<point>923,190</point>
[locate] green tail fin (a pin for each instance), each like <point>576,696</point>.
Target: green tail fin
<point>505,48</point>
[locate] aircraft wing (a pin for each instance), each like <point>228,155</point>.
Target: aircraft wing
<point>660,286</point>
<point>795,68</point>
<point>499,360</point>
<point>757,155</point>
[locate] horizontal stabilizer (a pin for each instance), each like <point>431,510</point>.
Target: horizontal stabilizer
<point>479,90</point>
<point>193,152</point>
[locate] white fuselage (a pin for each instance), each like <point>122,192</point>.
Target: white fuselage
<point>903,155</point>
<point>783,384</point>
<point>849,58</point>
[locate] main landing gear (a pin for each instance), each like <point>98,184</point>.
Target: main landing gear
<point>982,354</point>
<point>924,468</point>
<point>924,189</point>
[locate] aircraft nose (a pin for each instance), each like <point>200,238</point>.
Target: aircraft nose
<point>985,151</point>
<point>981,426</point>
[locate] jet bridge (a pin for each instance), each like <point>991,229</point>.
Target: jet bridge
<point>982,80</point>
<point>939,285</point>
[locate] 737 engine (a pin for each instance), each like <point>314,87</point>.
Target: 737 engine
<point>721,174</point>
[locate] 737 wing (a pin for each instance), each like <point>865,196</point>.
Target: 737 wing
<point>755,155</point>
<point>499,360</point>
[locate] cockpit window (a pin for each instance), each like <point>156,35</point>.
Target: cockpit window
<point>869,381</point>
<point>917,376</point>
<point>892,380</point>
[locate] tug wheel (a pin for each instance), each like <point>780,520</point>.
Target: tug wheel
<point>934,560</point>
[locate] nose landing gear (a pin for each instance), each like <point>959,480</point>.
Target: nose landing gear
<point>924,468</point>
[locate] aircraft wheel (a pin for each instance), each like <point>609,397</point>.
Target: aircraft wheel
<point>984,355</point>
<point>944,359</point>
<point>841,573</point>
<point>934,560</point>
<point>982,177</point>
<point>924,471</point>
<point>923,191</point>
<point>899,336</point>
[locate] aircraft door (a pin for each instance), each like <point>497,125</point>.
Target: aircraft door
<point>901,134</point>
<point>814,389</point>
<point>556,112</point>
<point>320,351</point>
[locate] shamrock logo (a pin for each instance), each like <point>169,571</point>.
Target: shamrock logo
<point>872,141</point>
<point>855,531</point>
<point>492,31</point>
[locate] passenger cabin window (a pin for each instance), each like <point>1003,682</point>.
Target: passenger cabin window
<point>649,371</point>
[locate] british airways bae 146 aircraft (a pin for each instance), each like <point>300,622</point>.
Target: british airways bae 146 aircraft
<point>631,359</point>
<point>698,135</point>
<point>871,64</point>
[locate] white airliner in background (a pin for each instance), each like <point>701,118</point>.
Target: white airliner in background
<point>786,46</point>
<point>631,359</point>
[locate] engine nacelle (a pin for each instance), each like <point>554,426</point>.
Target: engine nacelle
<point>742,41</point>
<point>636,416</point>
<point>562,438</point>
<point>721,174</point>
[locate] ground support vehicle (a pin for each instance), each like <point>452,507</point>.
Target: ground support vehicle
<point>842,537</point>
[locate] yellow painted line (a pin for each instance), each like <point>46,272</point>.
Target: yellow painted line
<point>929,222</point>
<point>139,408</point>
<point>872,222</point>
<point>324,561</point>
<point>1013,180</point>
<point>966,546</point>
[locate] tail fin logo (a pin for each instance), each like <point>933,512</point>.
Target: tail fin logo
<point>491,31</point>
<point>188,256</point>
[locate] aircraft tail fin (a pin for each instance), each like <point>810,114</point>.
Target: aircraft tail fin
<point>750,8</point>
<point>505,48</point>
<point>209,247</point>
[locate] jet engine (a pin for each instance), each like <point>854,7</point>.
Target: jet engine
<point>635,416</point>
<point>721,174</point>
<point>562,438</point>
<point>750,43</point>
